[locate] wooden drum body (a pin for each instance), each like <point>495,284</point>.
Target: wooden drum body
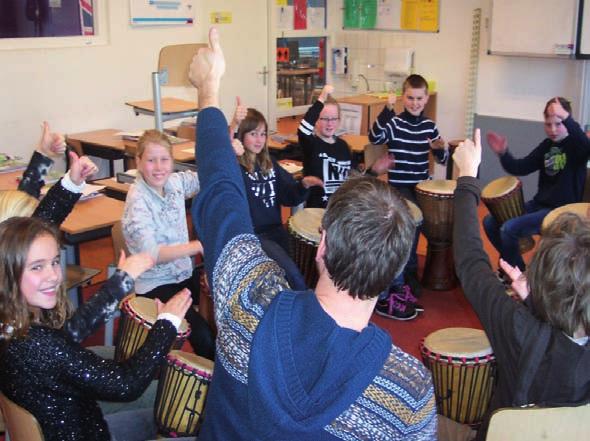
<point>139,315</point>
<point>504,199</point>
<point>435,199</point>
<point>463,370</point>
<point>304,227</point>
<point>182,392</point>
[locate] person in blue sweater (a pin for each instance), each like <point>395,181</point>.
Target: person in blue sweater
<point>409,136</point>
<point>561,161</point>
<point>302,365</point>
<point>268,187</point>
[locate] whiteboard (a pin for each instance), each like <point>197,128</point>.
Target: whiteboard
<point>545,28</point>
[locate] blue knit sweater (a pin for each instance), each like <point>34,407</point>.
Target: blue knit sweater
<point>284,370</point>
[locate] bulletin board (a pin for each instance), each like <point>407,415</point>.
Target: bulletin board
<point>392,15</point>
<point>161,12</point>
<point>544,28</point>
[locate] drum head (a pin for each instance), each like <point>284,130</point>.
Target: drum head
<point>415,212</point>
<point>459,343</point>
<point>438,186</point>
<point>500,187</point>
<point>191,360</point>
<point>580,209</point>
<point>306,224</point>
<point>147,310</point>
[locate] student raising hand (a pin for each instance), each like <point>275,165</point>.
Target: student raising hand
<point>326,91</point>
<point>50,144</point>
<point>556,109</point>
<point>498,143</point>
<point>80,168</point>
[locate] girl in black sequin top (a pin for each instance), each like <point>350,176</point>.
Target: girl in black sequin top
<point>42,368</point>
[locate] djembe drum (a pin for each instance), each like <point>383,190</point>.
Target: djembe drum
<point>463,370</point>
<point>304,227</point>
<point>182,392</point>
<point>415,212</point>
<point>139,315</point>
<point>504,199</point>
<point>581,209</point>
<point>435,199</point>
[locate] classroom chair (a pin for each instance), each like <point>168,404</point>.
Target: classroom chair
<point>536,423</point>
<point>21,425</point>
<point>173,68</point>
<point>118,245</point>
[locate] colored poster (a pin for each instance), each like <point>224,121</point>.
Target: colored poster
<point>300,14</point>
<point>420,15</point>
<point>360,14</point>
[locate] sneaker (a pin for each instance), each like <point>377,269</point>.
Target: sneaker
<point>395,307</point>
<point>408,295</point>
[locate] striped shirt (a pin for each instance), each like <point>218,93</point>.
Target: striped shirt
<point>407,138</point>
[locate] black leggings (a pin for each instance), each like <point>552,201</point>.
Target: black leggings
<point>201,338</point>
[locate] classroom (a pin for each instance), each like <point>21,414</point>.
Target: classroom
<point>478,77</point>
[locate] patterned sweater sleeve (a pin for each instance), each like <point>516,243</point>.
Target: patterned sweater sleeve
<point>100,308</point>
<point>441,155</point>
<point>222,219</point>
<point>190,183</point>
<point>32,180</point>
<point>305,131</point>
<point>379,133</point>
<point>57,204</point>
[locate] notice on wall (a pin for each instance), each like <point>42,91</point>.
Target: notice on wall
<point>161,12</point>
<point>419,15</point>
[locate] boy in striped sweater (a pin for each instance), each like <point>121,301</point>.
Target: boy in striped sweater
<point>409,137</point>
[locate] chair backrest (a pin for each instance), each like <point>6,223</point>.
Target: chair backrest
<point>176,60</point>
<point>118,241</point>
<point>20,424</point>
<point>533,424</point>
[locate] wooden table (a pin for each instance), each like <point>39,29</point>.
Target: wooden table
<point>169,106</point>
<point>100,143</point>
<point>89,220</point>
<point>114,189</point>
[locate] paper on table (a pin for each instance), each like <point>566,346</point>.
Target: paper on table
<point>91,191</point>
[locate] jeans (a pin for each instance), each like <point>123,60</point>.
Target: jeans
<point>275,244</point>
<point>409,193</point>
<point>505,237</point>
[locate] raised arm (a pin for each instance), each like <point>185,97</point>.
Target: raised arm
<point>220,211</point>
<point>102,306</point>
<point>50,145</point>
<point>379,133</point>
<point>481,287</point>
